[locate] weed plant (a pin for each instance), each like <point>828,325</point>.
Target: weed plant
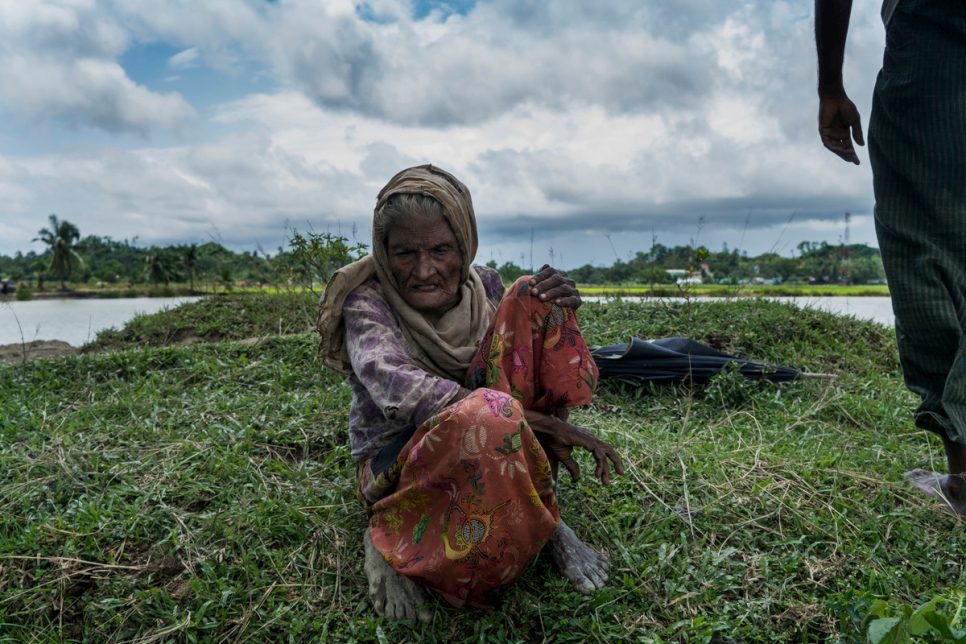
<point>204,493</point>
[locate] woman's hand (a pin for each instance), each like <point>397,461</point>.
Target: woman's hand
<point>551,285</point>
<point>563,437</point>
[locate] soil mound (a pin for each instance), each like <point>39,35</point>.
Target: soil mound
<point>35,349</point>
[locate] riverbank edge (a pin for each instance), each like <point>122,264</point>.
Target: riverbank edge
<point>91,294</point>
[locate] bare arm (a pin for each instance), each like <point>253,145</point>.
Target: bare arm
<point>838,118</point>
<point>566,436</point>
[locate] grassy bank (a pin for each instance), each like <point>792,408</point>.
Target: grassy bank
<point>235,316</point>
<point>204,492</point>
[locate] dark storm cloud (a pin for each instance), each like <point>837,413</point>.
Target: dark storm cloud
<point>339,68</point>
<point>751,212</point>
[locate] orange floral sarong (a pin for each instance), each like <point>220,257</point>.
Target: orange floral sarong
<point>469,499</point>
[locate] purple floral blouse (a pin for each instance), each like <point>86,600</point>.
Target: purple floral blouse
<point>390,393</point>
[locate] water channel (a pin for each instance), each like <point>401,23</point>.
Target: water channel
<point>74,321</point>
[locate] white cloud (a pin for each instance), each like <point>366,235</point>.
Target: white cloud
<point>184,59</point>
<point>88,91</point>
<point>59,60</point>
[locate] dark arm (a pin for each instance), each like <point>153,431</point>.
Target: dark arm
<point>563,437</point>
<point>838,118</point>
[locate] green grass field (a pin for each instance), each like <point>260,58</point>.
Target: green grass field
<point>203,493</point>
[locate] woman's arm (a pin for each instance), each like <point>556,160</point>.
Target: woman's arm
<point>564,436</point>
<point>382,362</point>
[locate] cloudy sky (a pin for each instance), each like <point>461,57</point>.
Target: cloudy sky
<point>592,127</point>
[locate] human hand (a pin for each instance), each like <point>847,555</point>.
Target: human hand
<point>551,285</point>
<point>563,437</point>
<point>837,115</point>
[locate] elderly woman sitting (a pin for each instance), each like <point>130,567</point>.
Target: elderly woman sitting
<point>461,394</point>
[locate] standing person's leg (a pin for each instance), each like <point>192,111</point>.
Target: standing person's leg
<point>917,146</point>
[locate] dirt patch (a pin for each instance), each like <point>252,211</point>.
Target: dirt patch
<point>34,350</point>
<point>57,349</point>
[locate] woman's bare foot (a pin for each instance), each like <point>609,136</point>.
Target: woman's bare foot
<point>393,595</point>
<point>586,568</point>
<point>946,487</point>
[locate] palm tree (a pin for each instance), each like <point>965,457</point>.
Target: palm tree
<point>156,267</point>
<point>190,261</point>
<point>60,238</point>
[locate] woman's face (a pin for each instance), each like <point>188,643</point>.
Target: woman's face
<point>424,257</point>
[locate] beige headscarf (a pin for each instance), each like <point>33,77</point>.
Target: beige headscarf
<point>447,347</point>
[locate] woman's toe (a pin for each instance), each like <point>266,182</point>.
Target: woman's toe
<point>600,578</point>
<point>425,615</point>
<point>583,585</point>
<point>379,606</point>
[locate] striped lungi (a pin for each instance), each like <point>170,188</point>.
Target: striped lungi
<point>917,146</point>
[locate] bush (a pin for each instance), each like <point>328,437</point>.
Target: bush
<point>24,294</point>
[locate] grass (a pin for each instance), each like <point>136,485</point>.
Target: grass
<point>234,316</point>
<point>203,493</point>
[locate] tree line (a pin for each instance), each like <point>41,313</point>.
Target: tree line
<point>815,263</point>
<point>70,258</point>
<point>311,258</point>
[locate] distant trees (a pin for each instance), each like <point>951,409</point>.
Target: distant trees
<point>310,259</point>
<point>509,272</point>
<point>39,267</point>
<point>109,260</point>
<point>816,262</point>
<point>60,239</point>
<point>157,267</point>
<point>189,259</point>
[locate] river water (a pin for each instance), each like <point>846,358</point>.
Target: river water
<point>74,321</point>
<point>77,321</point>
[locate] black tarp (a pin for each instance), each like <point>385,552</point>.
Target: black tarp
<point>676,360</point>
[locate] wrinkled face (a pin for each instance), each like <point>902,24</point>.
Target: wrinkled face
<point>424,257</point>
